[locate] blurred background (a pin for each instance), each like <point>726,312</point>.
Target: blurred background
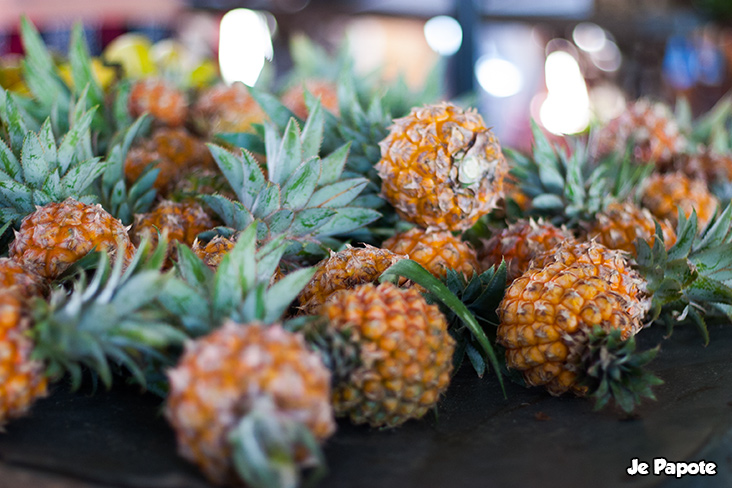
<point>562,63</point>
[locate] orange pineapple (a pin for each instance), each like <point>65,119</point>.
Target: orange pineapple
<point>620,224</point>
<point>441,168</point>
<point>665,193</point>
<point>227,109</point>
<point>519,244</point>
<point>213,251</point>
<point>405,354</point>
<point>294,97</point>
<point>164,102</point>
<point>344,270</point>
<point>435,251</point>
<point>15,277</point>
<point>57,235</point>
<point>182,221</point>
<point>242,373</point>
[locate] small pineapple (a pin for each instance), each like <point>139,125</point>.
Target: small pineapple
<point>164,102</point>
<point>651,129</point>
<point>620,224</point>
<point>223,108</point>
<point>21,378</point>
<point>244,385</point>
<point>441,168</point>
<point>294,97</point>
<point>665,194</point>
<point>344,270</point>
<point>519,244</point>
<point>182,221</point>
<point>435,251</point>
<point>583,297</point>
<point>404,349</point>
<point>15,277</point>
<point>57,235</point>
<point>213,251</point>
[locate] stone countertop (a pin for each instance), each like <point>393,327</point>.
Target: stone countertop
<point>119,438</point>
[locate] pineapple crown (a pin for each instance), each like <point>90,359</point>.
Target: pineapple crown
<point>239,290</point>
<point>53,98</point>
<point>302,197</point>
<point>37,171</point>
<point>694,275</point>
<point>120,200</point>
<point>711,129</point>
<point>565,188</point>
<point>611,369</point>
<point>109,319</point>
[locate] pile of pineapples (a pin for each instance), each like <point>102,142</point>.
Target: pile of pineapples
<point>268,261</point>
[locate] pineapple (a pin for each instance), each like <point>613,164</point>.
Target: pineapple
<point>164,102</point>
<point>213,251</point>
<point>404,350</point>
<point>181,221</point>
<point>176,152</point>
<point>344,270</point>
<point>21,377</point>
<point>649,127</point>
<point>57,235</point>
<point>294,97</point>
<point>110,320</point>
<point>247,400</point>
<point>16,278</point>
<point>584,297</point>
<point>519,244</point>
<point>441,168</point>
<point>620,224</point>
<point>222,109</point>
<point>435,251</point>
<point>665,194</point>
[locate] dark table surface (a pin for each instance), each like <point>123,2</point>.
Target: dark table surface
<point>118,438</point>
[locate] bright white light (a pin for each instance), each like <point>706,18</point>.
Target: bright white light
<point>444,35</point>
<point>498,77</point>
<point>589,37</point>
<point>244,44</point>
<point>608,58</point>
<point>566,109</point>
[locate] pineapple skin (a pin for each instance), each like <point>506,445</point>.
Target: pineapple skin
<point>16,278</point>
<point>164,102</point>
<point>665,193</point>
<point>294,97</point>
<point>344,270</point>
<point>57,235</point>
<point>219,376</point>
<point>213,251</point>
<point>441,168</point>
<point>183,221</point>
<point>227,108</point>
<point>435,251</point>
<point>22,379</point>
<point>562,296</point>
<point>519,244</point>
<point>620,224</point>
<point>405,354</point>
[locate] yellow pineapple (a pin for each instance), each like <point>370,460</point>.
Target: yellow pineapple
<point>225,108</point>
<point>441,168</point>
<point>57,235</point>
<point>651,129</point>
<point>167,104</point>
<point>294,97</point>
<point>15,277</point>
<point>665,193</point>
<point>519,244</point>
<point>620,224</point>
<point>435,251</point>
<point>243,373</point>
<point>21,378</point>
<point>404,349</point>
<point>181,221</point>
<point>343,270</point>
<point>213,251</point>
